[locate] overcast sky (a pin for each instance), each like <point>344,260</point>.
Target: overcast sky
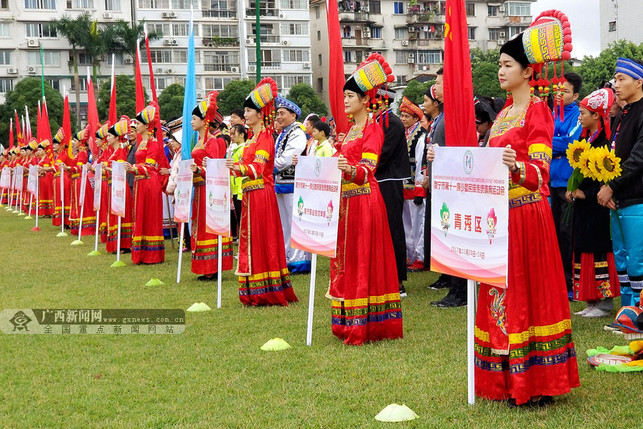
<point>583,16</point>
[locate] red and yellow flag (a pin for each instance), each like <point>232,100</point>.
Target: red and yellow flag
<point>336,78</point>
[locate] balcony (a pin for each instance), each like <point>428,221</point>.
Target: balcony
<point>267,38</point>
<point>433,43</point>
<point>267,65</point>
<point>250,12</point>
<point>424,18</point>
<point>219,13</point>
<point>218,67</point>
<point>220,41</point>
<point>355,17</point>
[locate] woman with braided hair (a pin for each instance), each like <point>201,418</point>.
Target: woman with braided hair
<point>263,275</point>
<point>148,245</point>
<point>205,245</point>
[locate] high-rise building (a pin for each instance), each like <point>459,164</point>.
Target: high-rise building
<point>410,35</point>
<point>225,41</point>
<point>620,20</point>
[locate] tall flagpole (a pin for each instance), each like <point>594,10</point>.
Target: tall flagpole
<point>258,37</point>
<point>42,70</point>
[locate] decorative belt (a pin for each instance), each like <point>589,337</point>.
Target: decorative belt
<point>198,179</point>
<point>350,189</point>
<point>519,196</point>
<point>252,185</point>
<point>198,184</point>
<point>140,176</point>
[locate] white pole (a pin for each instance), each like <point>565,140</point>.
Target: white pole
<point>62,199</point>
<point>178,271</point>
<point>80,219</point>
<point>118,241</point>
<point>219,272</point>
<point>20,202</point>
<point>311,299</point>
<point>471,316</point>
<point>96,233</point>
<point>30,203</point>
<point>37,199</point>
<point>10,191</point>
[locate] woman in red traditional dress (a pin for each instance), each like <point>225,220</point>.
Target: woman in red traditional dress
<point>263,275</point>
<point>524,348</point>
<point>364,287</point>
<point>106,153</point>
<point>85,208</point>
<point>116,139</point>
<point>148,245</point>
<point>28,201</point>
<point>45,180</point>
<point>204,245</point>
<point>60,160</point>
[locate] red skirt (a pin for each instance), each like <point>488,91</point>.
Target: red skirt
<point>263,275</point>
<point>55,220</point>
<point>126,224</point>
<point>595,277</point>
<point>46,194</point>
<point>523,334</point>
<point>86,209</point>
<point>148,244</point>
<point>27,198</point>
<point>103,214</point>
<point>364,286</point>
<point>205,246</point>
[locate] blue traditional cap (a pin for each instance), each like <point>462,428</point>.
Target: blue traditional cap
<point>282,102</point>
<point>629,67</point>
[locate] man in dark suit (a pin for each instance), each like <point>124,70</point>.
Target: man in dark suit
<point>393,169</point>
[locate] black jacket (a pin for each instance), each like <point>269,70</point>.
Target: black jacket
<point>394,160</point>
<point>591,220</point>
<point>628,187</point>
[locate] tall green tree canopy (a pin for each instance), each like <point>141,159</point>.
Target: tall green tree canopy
<point>414,91</point>
<point>304,96</point>
<point>171,101</point>
<point>125,97</point>
<point>596,70</point>
<point>28,92</point>
<point>233,95</point>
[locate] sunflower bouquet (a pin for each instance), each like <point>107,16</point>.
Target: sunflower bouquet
<point>596,163</point>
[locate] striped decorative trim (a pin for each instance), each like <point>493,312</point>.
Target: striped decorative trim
<point>524,199</point>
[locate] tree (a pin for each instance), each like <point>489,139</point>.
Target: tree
<point>76,31</point>
<point>304,96</point>
<point>414,91</point>
<point>126,37</point>
<point>596,70</point>
<point>484,71</point>
<point>125,97</point>
<point>27,92</point>
<point>234,94</point>
<point>171,101</point>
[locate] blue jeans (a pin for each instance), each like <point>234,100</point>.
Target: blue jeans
<point>627,242</point>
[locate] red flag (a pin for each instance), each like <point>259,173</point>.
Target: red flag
<point>113,117</point>
<point>67,129</point>
<point>149,63</point>
<point>459,113</point>
<point>336,76</point>
<point>92,116</point>
<point>10,133</point>
<point>46,127</point>
<point>18,132</point>
<point>38,127</point>
<point>140,93</point>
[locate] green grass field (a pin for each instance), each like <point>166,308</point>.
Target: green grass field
<point>215,376</point>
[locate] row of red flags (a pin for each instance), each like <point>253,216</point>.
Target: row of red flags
<point>43,130</point>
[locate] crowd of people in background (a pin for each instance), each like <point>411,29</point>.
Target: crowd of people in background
<point>565,245</point>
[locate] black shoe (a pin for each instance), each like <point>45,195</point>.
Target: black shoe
<point>402,292</point>
<point>452,301</point>
<point>441,283</point>
<point>438,302</point>
<point>211,278</point>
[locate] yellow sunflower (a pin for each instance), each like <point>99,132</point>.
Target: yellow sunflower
<point>575,150</point>
<point>607,162</point>
<point>584,163</point>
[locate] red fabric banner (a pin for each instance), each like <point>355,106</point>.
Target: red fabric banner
<point>459,113</point>
<point>140,93</point>
<point>92,117</point>
<point>18,132</point>
<point>151,66</point>
<point>336,78</point>
<point>10,133</point>
<point>46,127</point>
<point>113,116</point>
